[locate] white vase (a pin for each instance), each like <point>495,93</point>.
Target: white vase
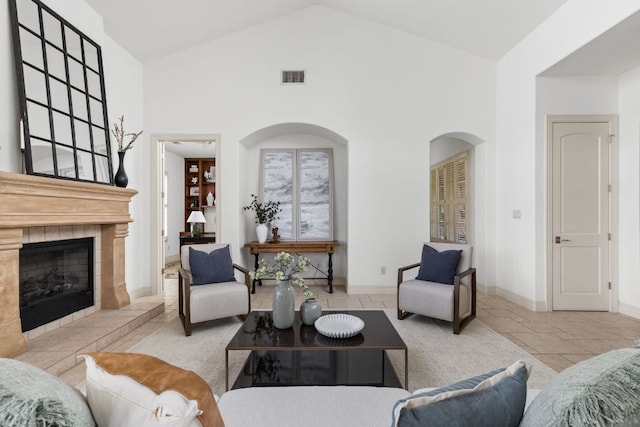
<point>210,199</point>
<point>284,299</point>
<point>261,231</point>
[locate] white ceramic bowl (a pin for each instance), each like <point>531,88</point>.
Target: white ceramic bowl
<point>339,325</point>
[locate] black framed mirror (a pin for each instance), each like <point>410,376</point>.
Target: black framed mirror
<point>64,128</point>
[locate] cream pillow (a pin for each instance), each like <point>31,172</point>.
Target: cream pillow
<point>140,390</point>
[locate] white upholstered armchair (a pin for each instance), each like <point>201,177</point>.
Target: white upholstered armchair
<point>445,287</point>
<point>208,288</point>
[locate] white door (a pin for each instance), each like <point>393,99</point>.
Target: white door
<point>580,213</point>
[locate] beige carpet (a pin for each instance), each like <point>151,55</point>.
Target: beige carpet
<point>436,356</point>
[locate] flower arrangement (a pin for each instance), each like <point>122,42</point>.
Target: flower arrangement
<point>265,212</point>
<point>119,133</point>
<point>284,267</point>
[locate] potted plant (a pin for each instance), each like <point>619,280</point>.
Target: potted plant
<point>266,213</point>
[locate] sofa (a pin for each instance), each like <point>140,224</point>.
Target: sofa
<point>132,389</point>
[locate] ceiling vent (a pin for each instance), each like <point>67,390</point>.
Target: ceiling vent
<point>295,77</point>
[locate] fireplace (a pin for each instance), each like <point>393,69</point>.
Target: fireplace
<point>36,209</point>
<point>56,279</point>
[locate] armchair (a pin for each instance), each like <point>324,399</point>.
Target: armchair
<point>208,301</point>
<point>454,302</point>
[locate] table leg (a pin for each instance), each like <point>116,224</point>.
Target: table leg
<point>253,285</point>
<point>406,369</point>
<point>226,369</point>
<point>330,274</point>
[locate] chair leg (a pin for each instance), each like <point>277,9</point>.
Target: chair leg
<point>459,324</point>
<point>184,311</point>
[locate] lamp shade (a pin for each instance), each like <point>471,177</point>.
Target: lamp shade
<point>196,216</point>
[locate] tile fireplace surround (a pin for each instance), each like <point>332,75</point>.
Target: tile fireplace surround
<point>31,201</point>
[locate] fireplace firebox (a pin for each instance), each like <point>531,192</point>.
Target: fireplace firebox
<point>56,279</point>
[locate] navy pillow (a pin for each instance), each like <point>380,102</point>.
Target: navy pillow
<point>214,267</point>
<point>493,399</point>
<point>439,267</point>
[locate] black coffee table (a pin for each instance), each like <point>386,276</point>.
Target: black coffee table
<point>302,356</point>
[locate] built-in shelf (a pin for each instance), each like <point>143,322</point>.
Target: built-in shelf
<point>196,185</point>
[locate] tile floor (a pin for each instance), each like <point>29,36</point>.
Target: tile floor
<point>558,339</point>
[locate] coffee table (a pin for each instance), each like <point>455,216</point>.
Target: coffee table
<point>302,356</point>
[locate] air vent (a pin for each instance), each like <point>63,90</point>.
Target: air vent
<point>293,77</point>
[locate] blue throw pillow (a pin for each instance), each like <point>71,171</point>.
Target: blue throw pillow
<point>439,267</point>
<point>214,267</point>
<point>493,399</point>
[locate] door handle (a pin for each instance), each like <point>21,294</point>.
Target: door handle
<point>559,240</point>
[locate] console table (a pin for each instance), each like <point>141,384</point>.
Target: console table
<point>297,247</point>
<point>187,239</point>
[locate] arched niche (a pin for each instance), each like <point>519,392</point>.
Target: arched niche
<point>297,135</point>
<point>449,145</point>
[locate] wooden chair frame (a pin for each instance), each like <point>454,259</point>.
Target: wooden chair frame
<point>458,324</point>
<point>184,296</point>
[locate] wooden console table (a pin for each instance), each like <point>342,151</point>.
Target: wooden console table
<point>297,247</point>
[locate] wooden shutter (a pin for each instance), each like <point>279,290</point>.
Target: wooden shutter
<point>449,203</point>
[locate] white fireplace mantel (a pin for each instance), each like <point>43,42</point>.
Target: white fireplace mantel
<point>33,201</point>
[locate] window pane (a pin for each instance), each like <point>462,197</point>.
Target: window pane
<point>277,186</point>
<point>315,195</point>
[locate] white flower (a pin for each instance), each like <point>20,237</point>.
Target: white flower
<point>284,268</point>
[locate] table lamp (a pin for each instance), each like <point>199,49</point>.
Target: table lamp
<point>195,219</point>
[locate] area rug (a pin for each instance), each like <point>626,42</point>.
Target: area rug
<point>437,357</point>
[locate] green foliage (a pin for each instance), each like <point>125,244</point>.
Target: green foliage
<point>265,212</point>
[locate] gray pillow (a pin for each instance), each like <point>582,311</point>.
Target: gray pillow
<point>214,267</point>
<point>496,398</point>
<point>601,391</point>
<point>30,396</point>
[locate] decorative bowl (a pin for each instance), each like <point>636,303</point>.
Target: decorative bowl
<point>339,325</point>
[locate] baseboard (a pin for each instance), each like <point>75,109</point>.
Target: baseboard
<point>629,310</point>
<point>357,290</point>
<point>172,258</point>
<point>486,290</point>
<point>521,301</point>
<point>140,292</point>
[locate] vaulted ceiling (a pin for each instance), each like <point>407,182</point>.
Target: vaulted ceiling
<point>151,29</point>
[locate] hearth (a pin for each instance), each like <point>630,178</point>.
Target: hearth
<point>56,279</point>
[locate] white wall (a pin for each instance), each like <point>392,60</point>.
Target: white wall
<point>10,158</point>
<point>174,165</point>
<point>123,79</point>
<point>629,191</point>
<point>519,164</point>
<point>385,91</point>
<point>445,148</point>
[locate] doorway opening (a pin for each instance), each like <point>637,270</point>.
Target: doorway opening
<point>171,194</point>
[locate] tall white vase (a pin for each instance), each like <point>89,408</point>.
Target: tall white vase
<point>261,231</point>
